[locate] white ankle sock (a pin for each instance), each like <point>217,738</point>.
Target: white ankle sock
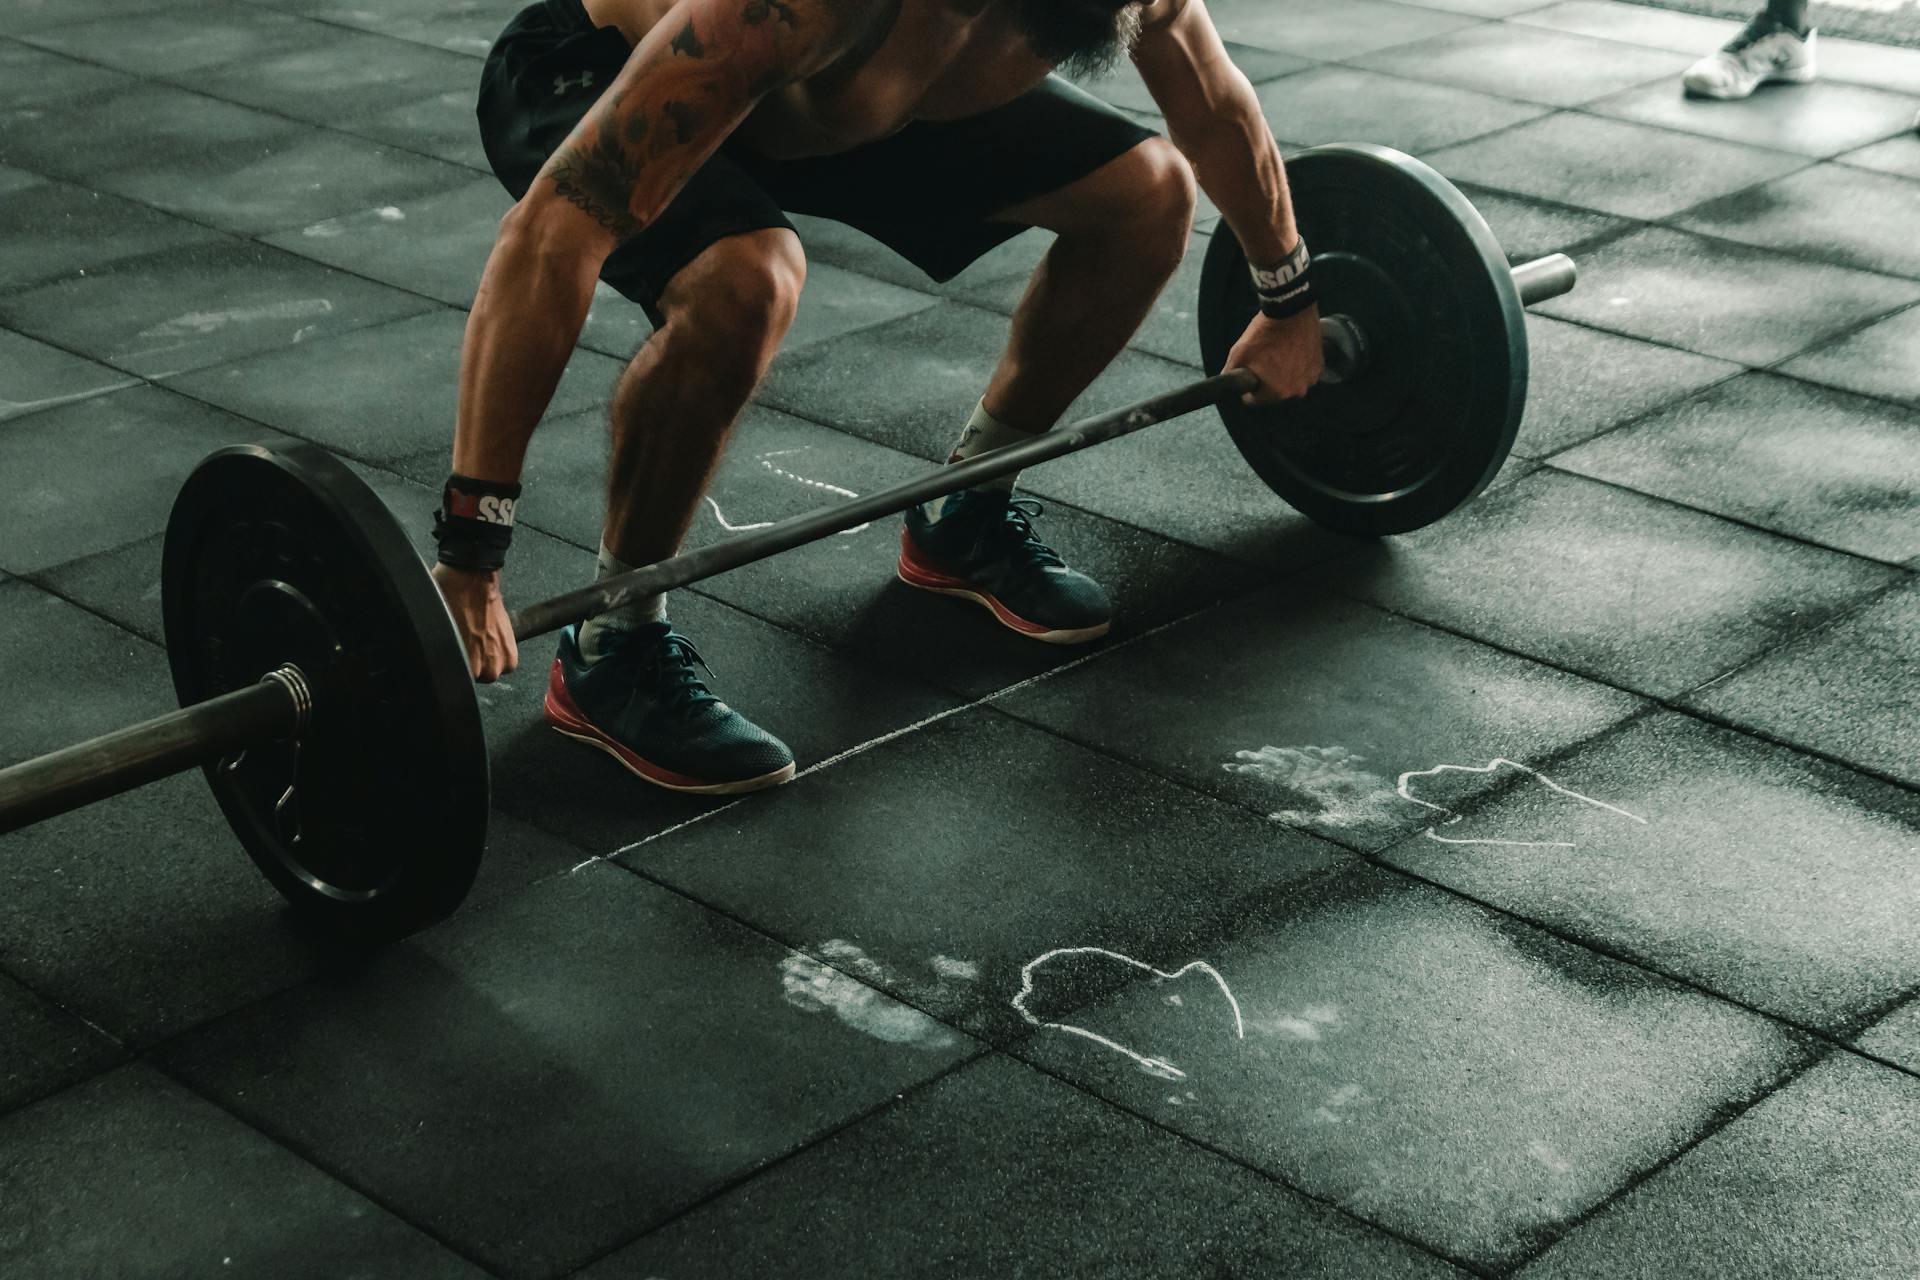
<point>984,434</point>
<point>596,631</point>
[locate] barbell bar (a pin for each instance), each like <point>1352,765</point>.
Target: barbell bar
<point>326,694</point>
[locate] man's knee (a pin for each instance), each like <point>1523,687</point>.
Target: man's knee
<point>1162,196</point>
<point>738,298</point>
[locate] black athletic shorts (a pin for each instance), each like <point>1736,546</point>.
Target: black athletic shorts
<point>928,192</point>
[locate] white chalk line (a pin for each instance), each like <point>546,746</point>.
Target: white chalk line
<point>822,485</point>
<point>1491,767</point>
<point>891,735</point>
<point>1155,1066</point>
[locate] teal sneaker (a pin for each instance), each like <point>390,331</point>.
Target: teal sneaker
<point>645,705</point>
<point>982,548</point>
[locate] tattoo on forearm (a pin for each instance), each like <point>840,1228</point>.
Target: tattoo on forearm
<point>686,120</point>
<point>688,42</point>
<point>758,11</point>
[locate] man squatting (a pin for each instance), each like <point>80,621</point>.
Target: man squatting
<point>659,146</point>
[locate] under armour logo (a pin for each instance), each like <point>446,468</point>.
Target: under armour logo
<point>561,84</point>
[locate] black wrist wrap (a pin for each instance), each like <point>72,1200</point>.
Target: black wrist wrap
<point>1285,290</point>
<point>474,525</point>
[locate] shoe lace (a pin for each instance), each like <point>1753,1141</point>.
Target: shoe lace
<point>1758,28</point>
<point>1016,532</point>
<point>671,668</point>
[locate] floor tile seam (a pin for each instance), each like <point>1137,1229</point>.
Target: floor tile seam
<point>892,735</point>
<point>1806,257</point>
<point>1548,109</point>
<point>1672,703</point>
<point>1722,1118</point>
<point>821,1139</point>
<point>169,78</point>
<point>1831,1041</point>
<point>294,123</point>
<point>1902,580</point>
<point>1268,574</point>
<point>312,1159</point>
<point>1642,416</point>
<point>187,6</point>
<point>1800,540</point>
<point>1270,1176</point>
<point>1810,158</point>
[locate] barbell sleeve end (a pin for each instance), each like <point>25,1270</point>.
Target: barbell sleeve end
<point>1545,278</point>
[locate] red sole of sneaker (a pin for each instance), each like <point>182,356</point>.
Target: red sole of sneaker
<point>565,716</point>
<point>916,574</point>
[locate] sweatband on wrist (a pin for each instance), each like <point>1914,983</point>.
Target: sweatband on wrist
<point>1285,290</point>
<point>474,526</point>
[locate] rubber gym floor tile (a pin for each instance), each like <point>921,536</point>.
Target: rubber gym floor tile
<point>39,15</point>
<point>944,865</point>
<point>1883,66</point>
<point>1849,691</point>
<point>1634,24</point>
<point>319,176</point>
<point>1896,1037</point>
<point>1442,1071</point>
<point>200,305</point>
<point>1899,156</point>
<point>148,127</point>
<point>131,1172</point>
<point>1625,169</point>
<point>1800,460</point>
<point>1528,228</point>
<point>435,244</point>
<point>1830,212</point>
<point>1170,331</point>
<point>44,642</point>
<point>1479,8</point>
<point>1818,1179</point>
<point>1528,63</point>
<point>1307,707</point>
<point>839,245</point>
<point>1611,584</point>
<point>376,394</point>
<point>1345,104</point>
<point>1722,299</point>
<point>101,472</point>
<point>1329,29</point>
<point>12,180</point>
<point>1584,382</point>
<point>939,362</point>
<point>340,73</point>
<point>836,301</point>
<point>1882,359</point>
<point>440,125</point>
<point>994,1169</point>
<point>1774,879</point>
<point>592,1056</point>
<point>33,78</point>
<point>1819,119</point>
<point>175,44</point>
<point>76,230</point>
<point>463,26</point>
<point>42,377</point>
<point>43,1048</point>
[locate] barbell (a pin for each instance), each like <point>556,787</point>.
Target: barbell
<point>326,693</point>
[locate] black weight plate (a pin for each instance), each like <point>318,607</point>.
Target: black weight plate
<point>1429,421</point>
<point>283,555</point>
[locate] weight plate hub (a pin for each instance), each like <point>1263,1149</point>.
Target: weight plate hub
<point>1429,420</point>
<point>376,819</point>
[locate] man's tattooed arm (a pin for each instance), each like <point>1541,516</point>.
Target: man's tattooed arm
<point>688,85</point>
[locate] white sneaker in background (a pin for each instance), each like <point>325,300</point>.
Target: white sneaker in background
<point>1764,52</point>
